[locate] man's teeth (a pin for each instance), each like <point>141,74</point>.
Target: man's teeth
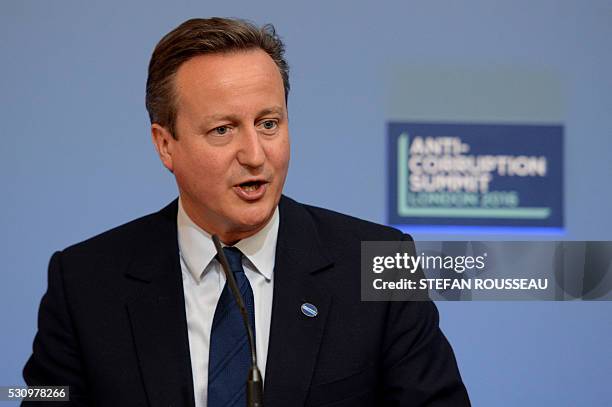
<point>250,188</point>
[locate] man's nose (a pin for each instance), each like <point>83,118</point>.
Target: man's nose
<point>251,152</point>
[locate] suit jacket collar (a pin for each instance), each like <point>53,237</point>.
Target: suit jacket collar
<point>294,337</point>
<point>157,313</point>
<point>159,324</point>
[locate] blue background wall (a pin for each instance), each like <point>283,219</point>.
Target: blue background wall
<point>78,158</point>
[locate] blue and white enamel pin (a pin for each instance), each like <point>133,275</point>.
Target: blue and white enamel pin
<point>309,310</point>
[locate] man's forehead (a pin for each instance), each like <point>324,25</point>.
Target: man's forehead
<point>218,69</point>
<point>219,85</point>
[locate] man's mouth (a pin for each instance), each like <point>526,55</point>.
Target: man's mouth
<point>251,190</point>
<point>251,185</point>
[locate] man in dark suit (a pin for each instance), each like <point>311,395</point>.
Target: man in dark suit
<point>136,316</point>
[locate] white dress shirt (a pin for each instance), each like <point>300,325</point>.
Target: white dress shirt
<point>203,282</point>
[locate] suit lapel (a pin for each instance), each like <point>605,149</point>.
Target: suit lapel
<point>157,315</point>
<point>294,337</point>
<point>159,324</point>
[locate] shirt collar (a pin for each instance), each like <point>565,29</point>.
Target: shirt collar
<point>198,250</point>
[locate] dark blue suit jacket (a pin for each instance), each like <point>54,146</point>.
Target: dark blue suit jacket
<point>112,323</point>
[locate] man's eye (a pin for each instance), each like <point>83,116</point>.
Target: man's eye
<point>221,130</point>
<point>269,124</point>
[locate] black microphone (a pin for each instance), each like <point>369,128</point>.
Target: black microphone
<point>254,391</point>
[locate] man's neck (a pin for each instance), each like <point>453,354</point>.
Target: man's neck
<point>227,235</point>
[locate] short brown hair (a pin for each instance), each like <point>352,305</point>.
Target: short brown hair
<point>203,36</point>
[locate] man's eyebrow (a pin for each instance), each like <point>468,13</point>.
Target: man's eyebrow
<point>233,118</point>
<point>275,109</point>
<point>221,117</point>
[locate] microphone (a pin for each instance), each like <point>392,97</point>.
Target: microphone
<point>254,391</point>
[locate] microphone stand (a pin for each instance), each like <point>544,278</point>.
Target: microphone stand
<point>254,390</point>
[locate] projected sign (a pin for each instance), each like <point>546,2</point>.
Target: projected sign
<point>475,174</point>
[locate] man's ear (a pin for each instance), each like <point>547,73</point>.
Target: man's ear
<point>164,144</point>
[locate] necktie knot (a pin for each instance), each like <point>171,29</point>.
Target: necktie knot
<point>234,259</point>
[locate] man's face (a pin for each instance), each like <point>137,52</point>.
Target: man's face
<point>232,154</point>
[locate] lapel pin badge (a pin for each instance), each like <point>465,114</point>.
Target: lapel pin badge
<point>309,310</point>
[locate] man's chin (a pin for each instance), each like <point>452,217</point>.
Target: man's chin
<point>255,222</point>
<point>250,220</point>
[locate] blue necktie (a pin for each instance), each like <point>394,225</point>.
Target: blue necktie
<point>230,356</point>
